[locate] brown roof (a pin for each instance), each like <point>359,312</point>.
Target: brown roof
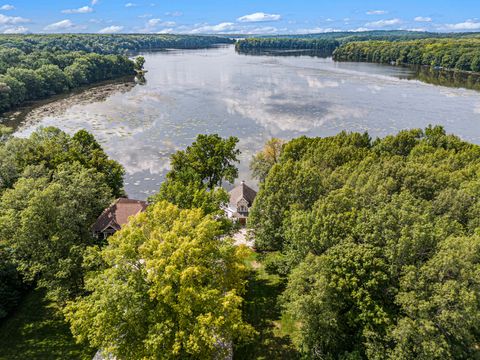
<point>117,215</point>
<point>242,191</point>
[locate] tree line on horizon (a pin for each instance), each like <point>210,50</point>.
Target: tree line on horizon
<point>120,44</point>
<point>449,51</point>
<point>451,54</point>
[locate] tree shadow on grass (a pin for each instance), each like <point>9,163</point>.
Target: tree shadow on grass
<point>263,312</point>
<point>37,331</point>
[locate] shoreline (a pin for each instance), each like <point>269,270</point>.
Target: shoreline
<point>59,104</point>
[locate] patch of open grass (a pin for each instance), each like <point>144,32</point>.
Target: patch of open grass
<point>262,310</point>
<point>36,331</point>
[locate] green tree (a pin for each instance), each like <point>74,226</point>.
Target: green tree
<point>139,63</point>
<point>46,224</point>
<point>189,196</point>
<point>440,305</point>
<point>5,133</point>
<point>50,147</point>
<point>210,160</point>
<point>34,84</point>
<point>54,79</point>
<point>262,162</point>
<point>11,285</point>
<point>374,232</point>
<point>169,289</point>
<point>339,302</point>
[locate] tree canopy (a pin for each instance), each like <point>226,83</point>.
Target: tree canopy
<point>197,174</point>
<point>170,288</point>
<point>458,54</point>
<point>53,186</point>
<point>380,242</point>
<point>263,161</point>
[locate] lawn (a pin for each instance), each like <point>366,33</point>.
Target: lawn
<point>263,311</point>
<point>36,331</point>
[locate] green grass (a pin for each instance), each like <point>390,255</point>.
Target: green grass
<point>36,331</point>
<point>262,310</point>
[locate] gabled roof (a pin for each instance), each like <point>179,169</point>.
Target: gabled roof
<point>242,191</point>
<point>117,214</point>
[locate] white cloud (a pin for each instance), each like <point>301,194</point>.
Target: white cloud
<point>377,12</point>
<point>383,23</point>
<point>16,30</point>
<point>61,25</point>
<point>423,19</point>
<point>361,29</point>
<point>260,30</point>
<point>111,30</point>
<point>258,17</point>
<point>158,22</point>
<point>466,25</point>
<point>82,10</point>
<point>174,13</point>
<point>130,5</point>
<point>166,31</point>
<point>9,20</point>
<point>95,2</point>
<point>153,24</point>
<point>316,30</point>
<point>219,28</point>
<point>7,7</point>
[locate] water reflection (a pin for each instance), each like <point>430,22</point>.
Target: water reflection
<point>295,53</point>
<point>255,98</point>
<point>453,79</point>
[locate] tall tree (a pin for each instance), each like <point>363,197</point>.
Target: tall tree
<point>46,225</point>
<point>210,160</point>
<point>263,161</point>
<point>170,289</point>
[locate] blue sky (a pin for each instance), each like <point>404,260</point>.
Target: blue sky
<point>240,16</point>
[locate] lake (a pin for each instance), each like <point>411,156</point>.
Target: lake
<point>254,98</point>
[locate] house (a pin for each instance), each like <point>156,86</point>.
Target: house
<point>241,200</point>
<point>113,218</point>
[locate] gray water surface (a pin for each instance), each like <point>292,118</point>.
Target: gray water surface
<point>255,98</point>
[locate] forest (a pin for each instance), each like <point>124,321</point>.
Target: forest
<point>385,35</point>
<point>326,46</point>
<point>368,247</point>
<point>41,74</point>
<point>378,242</point>
<point>108,44</point>
<point>457,54</point>
<point>328,42</point>
<point>448,51</point>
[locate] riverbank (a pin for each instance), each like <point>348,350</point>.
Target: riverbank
<point>57,105</point>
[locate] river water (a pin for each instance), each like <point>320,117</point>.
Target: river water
<point>254,98</point>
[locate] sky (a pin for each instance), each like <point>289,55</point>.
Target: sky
<point>236,17</point>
